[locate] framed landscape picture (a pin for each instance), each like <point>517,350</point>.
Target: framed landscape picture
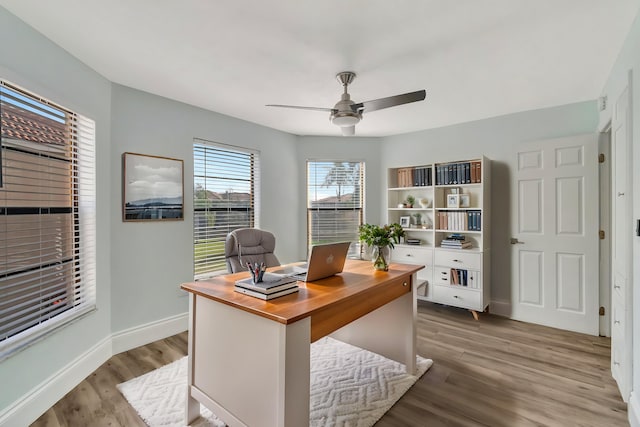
<point>152,188</point>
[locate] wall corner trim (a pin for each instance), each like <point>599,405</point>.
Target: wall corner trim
<point>633,409</point>
<point>32,405</point>
<point>149,332</point>
<point>500,308</point>
<point>27,409</point>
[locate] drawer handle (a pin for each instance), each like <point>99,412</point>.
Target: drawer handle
<point>616,286</point>
<point>616,322</point>
<point>408,255</point>
<point>456,296</point>
<point>443,278</point>
<point>456,260</point>
<point>616,363</point>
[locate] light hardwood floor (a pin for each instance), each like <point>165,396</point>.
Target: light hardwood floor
<point>492,372</point>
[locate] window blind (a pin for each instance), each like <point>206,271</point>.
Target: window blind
<point>335,201</point>
<point>225,198</point>
<point>47,217</point>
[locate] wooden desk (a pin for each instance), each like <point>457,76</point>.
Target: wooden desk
<point>249,358</point>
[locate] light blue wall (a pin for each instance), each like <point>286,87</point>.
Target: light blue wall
<point>629,61</point>
<point>150,260</point>
<point>496,138</point>
<point>29,60</point>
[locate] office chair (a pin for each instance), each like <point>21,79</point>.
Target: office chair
<point>249,245</point>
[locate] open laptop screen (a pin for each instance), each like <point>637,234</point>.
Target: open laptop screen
<point>324,261</point>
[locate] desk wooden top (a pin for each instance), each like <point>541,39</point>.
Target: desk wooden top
<point>357,283</point>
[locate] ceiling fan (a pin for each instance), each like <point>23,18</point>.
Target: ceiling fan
<point>346,113</point>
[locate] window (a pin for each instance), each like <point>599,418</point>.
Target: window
<point>47,217</point>
<point>335,202</point>
<point>225,198</point>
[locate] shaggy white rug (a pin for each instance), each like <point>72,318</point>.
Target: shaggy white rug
<point>349,387</point>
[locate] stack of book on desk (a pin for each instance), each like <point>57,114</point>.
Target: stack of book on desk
<point>272,286</point>
<point>455,241</point>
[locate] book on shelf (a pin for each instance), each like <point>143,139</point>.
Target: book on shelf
<point>264,296</point>
<point>461,277</point>
<point>414,176</point>
<point>455,244</point>
<point>271,283</point>
<point>458,173</point>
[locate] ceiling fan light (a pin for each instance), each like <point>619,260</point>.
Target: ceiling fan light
<point>345,120</point>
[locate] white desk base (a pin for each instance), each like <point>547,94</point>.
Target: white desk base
<point>253,371</point>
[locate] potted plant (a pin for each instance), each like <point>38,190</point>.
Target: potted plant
<point>410,201</point>
<point>380,238</point>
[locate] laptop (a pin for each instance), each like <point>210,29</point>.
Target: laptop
<point>324,261</point>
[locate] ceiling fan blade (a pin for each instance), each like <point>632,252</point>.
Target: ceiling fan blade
<point>329,110</point>
<point>348,130</point>
<point>391,101</point>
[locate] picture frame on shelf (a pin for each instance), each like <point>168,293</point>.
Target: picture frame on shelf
<point>465,200</point>
<point>453,200</point>
<point>405,221</point>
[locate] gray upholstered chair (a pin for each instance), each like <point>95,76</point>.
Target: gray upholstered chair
<point>249,245</point>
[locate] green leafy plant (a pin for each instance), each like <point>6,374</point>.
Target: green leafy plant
<point>410,200</point>
<point>381,236</point>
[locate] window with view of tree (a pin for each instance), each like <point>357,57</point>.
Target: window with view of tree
<point>47,217</point>
<point>335,202</point>
<point>224,199</point>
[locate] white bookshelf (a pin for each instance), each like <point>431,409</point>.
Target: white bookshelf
<point>456,277</point>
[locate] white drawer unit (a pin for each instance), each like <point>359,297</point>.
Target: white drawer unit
<point>458,297</point>
<point>459,259</point>
<point>412,255</point>
<point>442,275</point>
<point>417,255</point>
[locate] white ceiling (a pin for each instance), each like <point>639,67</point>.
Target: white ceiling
<point>476,59</point>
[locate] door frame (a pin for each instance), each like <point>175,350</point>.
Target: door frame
<point>605,182</point>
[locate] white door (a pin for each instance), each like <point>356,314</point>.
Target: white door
<point>621,335</point>
<point>555,234</point>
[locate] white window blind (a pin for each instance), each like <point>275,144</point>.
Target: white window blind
<point>335,202</point>
<point>47,217</point>
<point>225,198</point>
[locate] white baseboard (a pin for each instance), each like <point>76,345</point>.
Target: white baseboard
<point>500,308</point>
<point>633,409</point>
<point>29,407</point>
<point>149,332</point>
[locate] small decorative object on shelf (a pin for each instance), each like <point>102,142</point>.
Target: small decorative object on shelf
<point>405,221</point>
<point>418,218</point>
<point>453,200</point>
<point>381,238</point>
<point>410,201</point>
<point>464,201</point>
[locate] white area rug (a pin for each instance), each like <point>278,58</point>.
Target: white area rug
<point>350,387</point>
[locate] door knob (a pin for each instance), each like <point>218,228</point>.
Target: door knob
<point>515,241</point>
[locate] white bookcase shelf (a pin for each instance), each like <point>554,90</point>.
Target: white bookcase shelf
<point>457,277</point>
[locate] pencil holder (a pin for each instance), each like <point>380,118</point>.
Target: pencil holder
<point>257,278</point>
